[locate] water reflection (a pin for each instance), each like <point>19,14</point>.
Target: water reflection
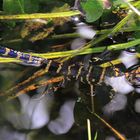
<point>35,114</point>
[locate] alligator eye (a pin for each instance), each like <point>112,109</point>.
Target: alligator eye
<point>75,19</point>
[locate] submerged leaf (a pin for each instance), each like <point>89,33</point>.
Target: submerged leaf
<point>93,9</point>
<point>13,6</point>
<point>20,6</point>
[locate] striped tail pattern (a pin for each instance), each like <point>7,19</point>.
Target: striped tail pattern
<point>92,74</point>
<point>27,59</point>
